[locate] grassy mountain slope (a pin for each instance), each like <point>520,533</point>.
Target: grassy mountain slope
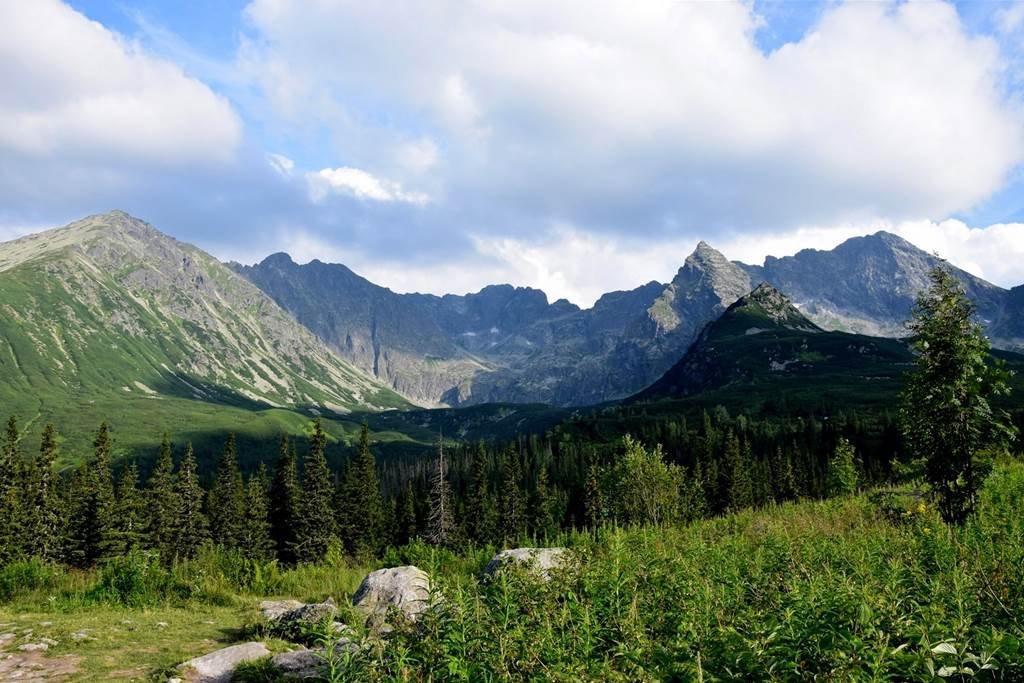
<point>109,319</point>
<point>762,345</point>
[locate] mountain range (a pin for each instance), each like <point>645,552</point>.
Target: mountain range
<point>510,344</point>
<point>110,318</point>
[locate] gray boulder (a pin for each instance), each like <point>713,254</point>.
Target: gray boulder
<point>217,667</point>
<point>299,663</point>
<point>272,610</point>
<point>288,616</point>
<point>406,589</point>
<point>539,560</point>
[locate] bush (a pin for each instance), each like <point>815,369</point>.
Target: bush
<point>136,579</point>
<point>28,576</point>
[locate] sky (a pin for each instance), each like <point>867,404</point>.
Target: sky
<point>574,147</point>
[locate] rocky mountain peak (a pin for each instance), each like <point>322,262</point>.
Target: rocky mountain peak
<point>766,302</point>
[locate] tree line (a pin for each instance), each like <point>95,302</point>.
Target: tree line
<point>298,509</point>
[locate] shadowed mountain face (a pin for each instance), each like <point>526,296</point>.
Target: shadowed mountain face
<point>110,318</point>
<point>763,340</point>
<point>510,344</point>
<point>504,343</point>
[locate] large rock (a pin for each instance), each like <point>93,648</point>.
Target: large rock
<point>217,667</point>
<point>272,610</point>
<point>288,618</point>
<point>540,560</point>
<point>406,589</point>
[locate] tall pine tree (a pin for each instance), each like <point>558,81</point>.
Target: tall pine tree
<point>12,531</point>
<point>227,499</point>
<point>42,516</point>
<point>130,511</point>
<point>363,489</point>
<point>163,503</point>
<point>191,529</point>
<point>256,541</point>
<point>513,500</point>
<point>285,502</point>
<point>318,525</point>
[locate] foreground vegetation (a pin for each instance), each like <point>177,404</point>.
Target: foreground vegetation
<point>869,587</point>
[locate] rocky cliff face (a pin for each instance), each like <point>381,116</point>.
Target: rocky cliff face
<point>510,344</point>
<point>504,343</point>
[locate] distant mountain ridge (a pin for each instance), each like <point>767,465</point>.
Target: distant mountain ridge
<point>509,344</point>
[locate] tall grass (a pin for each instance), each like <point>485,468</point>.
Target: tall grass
<point>859,588</point>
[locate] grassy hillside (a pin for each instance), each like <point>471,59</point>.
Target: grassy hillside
<point>872,587</point>
<point>109,319</point>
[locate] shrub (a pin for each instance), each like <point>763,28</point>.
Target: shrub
<point>28,576</point>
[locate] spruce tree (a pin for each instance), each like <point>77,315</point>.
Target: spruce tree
<point>513,501</point>
<point>102,541</point>
<point>256,541</point>
<point>441,521</point>
<point>42,514</point>
<point>741,487</point>
<point>227,499</point>
<point>285,503</point>
<point>318,525</point>
<point>480,510</point>
<point>406,523</point>
<point>130,511</point>
<point>364,495</point>
<point>163,503</point>
<point>12,529</point>
<point>191,529</point>
<point>544,505</point>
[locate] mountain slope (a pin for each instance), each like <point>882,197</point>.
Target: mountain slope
<point>869,284</point>
<point>763,341</point>
<point>385,334</point>
<point>107,314</point>
<point>504,343</point>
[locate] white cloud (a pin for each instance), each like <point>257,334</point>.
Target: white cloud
<point>358,183</point>
<point>580,267</point>
<point>75,91</point>
<point>659,115</point>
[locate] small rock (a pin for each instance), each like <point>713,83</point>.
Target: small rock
<point>49,641</point>
<point>161,624</point>
<point>6,638</point>
<point>46,623</point>
<point>406,589</point>
<point>541,560</point>
<point>34,647</point>
<point>217,667</point>
<point>300,663</point>
<point>272,610</point>
<point>80,635</point>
